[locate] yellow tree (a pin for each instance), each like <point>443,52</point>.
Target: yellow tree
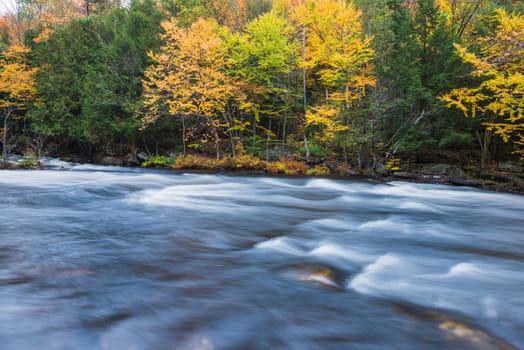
<point>17,87</point>
<point>500,95</point>
<point>460,14</point>
<point>340,58</point>
<point>189,77</point>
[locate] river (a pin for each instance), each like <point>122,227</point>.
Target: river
<point>120,258</point>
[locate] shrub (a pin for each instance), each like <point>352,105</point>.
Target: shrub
<point>194,162</point>
<point>286,166</point>
<point>315,150</point>
<point>159,162</point>
<point>249,163</point>
<point>318,170</point>
<point>29,163</point>
<point>393,164</point>
<point>243,162</point>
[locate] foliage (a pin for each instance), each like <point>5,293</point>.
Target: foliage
<point>188,76</point>
<point>90,76</point>
<point>159,162</point>
<point>355,80</point>
<point>17,87</point>
<point>287,167</point>
<point>499,63</point>
<point>244,162</point>
<point>393,164</point>
<point>318,170</point>
<point>338,55</point>
<point>17,84</point>
<point>29,163</point>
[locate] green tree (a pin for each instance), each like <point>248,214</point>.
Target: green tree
<point>260,58</point>
<point>90,76</point>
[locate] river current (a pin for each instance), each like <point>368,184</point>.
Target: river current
<point>119,258</point>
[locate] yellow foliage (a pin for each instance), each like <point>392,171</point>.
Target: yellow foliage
<point>17,84</point>
<point>189,73</point>
<point>393,164</point>
<point>318,170</point>
<point>336,46</point>
<point>286,166</point>
<point>244,162</point>
<point>500,62</point>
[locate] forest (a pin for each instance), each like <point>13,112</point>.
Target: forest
<point>332,85</point>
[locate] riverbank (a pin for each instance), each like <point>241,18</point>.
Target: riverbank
<point>502,177</point>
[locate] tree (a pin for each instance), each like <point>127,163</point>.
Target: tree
<point>460,13</point>
<point>17,87</point>
<point>499,62</point>
<point>189,77</point>
<point>91,77</point>
<point>261,58</point>
<point>339,56</point>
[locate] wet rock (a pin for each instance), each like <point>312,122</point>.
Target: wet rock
<point>319,275</point>
<point>279,152</point>
<point>405,175</point>
<point>442,170</point>
<point>131,160</point>
<point>12,165</point>
<point>476,337</point>
<point>459,181</point>
<point>111,161</point>
<point>511,167</point>
<point>455,329</point>
<point>381,169</point>
<point>349,172</point>
<point>74,159</point>
<point>142,157</point>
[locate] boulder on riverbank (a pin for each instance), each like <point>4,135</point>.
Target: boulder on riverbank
<point>17,163</point>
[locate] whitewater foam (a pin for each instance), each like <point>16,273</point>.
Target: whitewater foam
<point>331,250</point>
<point>282,245</point>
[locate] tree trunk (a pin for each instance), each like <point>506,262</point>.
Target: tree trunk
<point>217,139</point>
<point>373,148</point>
<point>232,144</point>
<point>184,135</point>
<point>307,148</point>
<point>304,82</point>
<point>268,139</point>
<point>254,144</point>
<point>4,141</point>
<point>484,141</point>
<point>4,138</point>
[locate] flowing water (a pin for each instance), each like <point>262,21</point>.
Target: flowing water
<point>115,258</point>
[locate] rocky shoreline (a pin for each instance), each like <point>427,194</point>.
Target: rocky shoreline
<point>505,177</point>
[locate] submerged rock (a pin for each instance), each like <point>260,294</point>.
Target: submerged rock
<point>454,329</point>
<point>477,337</point>
<point>316,274</point>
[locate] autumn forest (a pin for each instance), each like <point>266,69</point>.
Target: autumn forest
<point>333,84</point>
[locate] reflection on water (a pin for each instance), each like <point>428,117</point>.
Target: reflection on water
<point>115,258</point>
